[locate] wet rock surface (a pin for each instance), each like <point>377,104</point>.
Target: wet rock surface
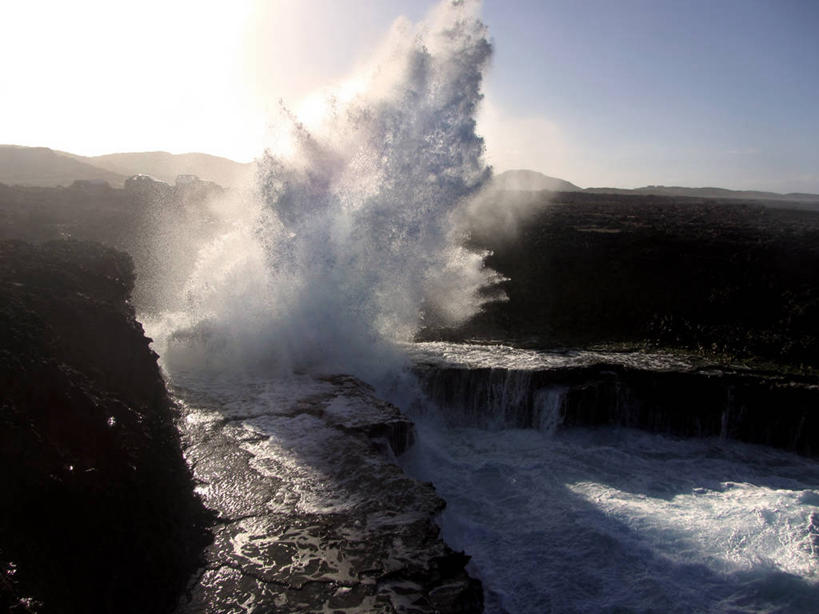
<point>313,515</point>
<point>657,393</point>
<point>97,512</point>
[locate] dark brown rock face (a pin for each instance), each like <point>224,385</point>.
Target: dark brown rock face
<point>98,512</point>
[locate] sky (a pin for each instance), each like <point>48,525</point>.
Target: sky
<point>619,93</point>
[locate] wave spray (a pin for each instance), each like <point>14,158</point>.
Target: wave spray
<point>347,244</point>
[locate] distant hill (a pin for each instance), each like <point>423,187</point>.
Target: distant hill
<point>713,193</point>
<point>167,166</point>
<point>531,181</point>
<point>43,167</point>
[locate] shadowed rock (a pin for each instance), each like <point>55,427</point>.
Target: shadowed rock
<point>98,512</point>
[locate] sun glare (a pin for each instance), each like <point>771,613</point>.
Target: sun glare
<point>94,77</point>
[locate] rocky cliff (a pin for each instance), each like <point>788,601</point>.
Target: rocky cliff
<point>313,514</point>
<point>98,512</point>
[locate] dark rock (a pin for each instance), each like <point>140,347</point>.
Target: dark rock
<point>160,226</point>
<point>760,408</point>
<point>713,277</point>
<point>98,512</point>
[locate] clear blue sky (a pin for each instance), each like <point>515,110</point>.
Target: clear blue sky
<point>694,92</point>
<point>600,92</point>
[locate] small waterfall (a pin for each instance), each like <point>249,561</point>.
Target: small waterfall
<point>740,406</point>
<point>549,408</point>
<point>713,523</point>
<point>494,399</point>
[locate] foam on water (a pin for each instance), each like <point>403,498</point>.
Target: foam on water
<point>622,520</point>
<point>501,356</point>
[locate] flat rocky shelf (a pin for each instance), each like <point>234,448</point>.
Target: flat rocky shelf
<point>312,513</point>
<point>655,392</point>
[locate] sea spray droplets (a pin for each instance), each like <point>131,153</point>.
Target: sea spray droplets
<point>354,221</point>
<point>368,201</point>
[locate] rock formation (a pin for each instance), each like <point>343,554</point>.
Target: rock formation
<point>315,516</point>
<point>98,512</point>
<point>682,400</point>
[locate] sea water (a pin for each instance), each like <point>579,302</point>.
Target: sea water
<point>613,519</point>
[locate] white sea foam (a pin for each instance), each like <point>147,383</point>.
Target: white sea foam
<point>500,356</point>
<point>620,520</point>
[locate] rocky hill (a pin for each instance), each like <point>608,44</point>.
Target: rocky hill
<point>531,181</point>
<point>44,167</point>
<point>167,166</point>
<point>40,166</point>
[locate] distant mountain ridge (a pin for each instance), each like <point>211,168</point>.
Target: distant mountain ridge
<point>528,180</point>
<point>166,166</point>
<point>531,181</point>
<point>661,190</point>
<point>44,167</point>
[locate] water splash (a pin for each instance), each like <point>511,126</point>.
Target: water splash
<point>348,244</point>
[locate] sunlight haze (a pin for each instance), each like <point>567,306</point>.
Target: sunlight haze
<point>599,93</point>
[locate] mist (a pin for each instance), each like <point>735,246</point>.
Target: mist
<point>348,242</point>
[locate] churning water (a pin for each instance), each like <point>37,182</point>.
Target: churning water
<point>612,520</point>
<point>348,245</point>
<point>620,520</point>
